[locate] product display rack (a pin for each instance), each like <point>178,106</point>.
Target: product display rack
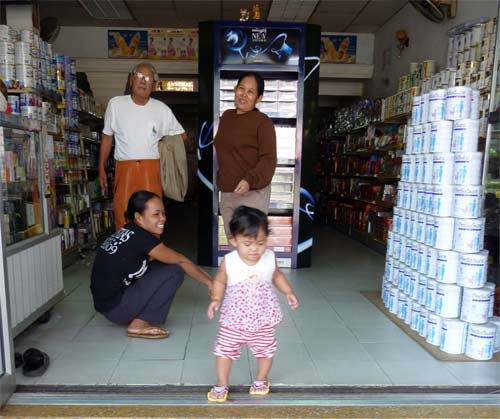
<point>357,180</point>
<point>289,100</point>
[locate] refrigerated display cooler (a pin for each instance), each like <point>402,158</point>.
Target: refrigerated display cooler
<point>287,57</point>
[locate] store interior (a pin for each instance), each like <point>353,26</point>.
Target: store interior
<point>346,332</point>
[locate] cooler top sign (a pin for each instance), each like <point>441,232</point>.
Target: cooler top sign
<point>259,45</point>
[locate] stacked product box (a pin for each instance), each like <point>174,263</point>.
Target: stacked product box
<point>436,268</point>
<point>282,188</point>
<point>279,99</point>
<point>280,234</point>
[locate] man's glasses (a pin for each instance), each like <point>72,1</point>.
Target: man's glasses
<point>142,77</point>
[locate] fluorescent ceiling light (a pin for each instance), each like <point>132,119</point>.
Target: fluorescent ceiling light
<point>107,9</point>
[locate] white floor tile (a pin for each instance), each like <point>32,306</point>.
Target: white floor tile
<point>351,373</point>
<point>337,351</point>
<point>291,371</point>
<point>79,372</point>
<point>415,372</point>
<point>52,348</point>
<point>100,333</point>
<point>397,351</point>
<point>81,293</point>
<point>380,334</point>
<point>147,372</point>
<point>202,372</point>
<point>104,350</point>
<point>476,373</point>
<point>155,349</point>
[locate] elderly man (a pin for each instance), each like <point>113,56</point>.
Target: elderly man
<point>137,122</point>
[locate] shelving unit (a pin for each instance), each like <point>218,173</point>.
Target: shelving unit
<point>100,221</point>
<point>357,179</point>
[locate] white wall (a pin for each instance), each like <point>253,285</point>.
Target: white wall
<point>428,41</point>
<point>83,41</point>
<point>107,76</point>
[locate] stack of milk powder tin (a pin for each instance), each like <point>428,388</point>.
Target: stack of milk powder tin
<point>435,275</point>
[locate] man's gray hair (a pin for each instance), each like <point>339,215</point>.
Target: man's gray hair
<point>148,65</point>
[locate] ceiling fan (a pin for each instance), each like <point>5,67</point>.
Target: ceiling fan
<point>434,10</point>
<point>49,29</point>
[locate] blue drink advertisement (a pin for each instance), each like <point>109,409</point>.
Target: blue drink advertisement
<point>260,45</point>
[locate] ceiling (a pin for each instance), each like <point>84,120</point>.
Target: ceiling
<point>359,16</point>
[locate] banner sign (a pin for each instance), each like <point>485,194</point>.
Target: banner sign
<point>259,45</point>
<point>127,43</point>
<point>338,48</point>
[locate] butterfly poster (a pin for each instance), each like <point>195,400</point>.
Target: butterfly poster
<point>338,48</point>
<point>127,43</point>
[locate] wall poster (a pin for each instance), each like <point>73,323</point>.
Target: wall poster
<point>172,44</point>
<point>127,43</point>
<point>338,48</point>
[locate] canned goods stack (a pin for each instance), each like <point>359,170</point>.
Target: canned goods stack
<point>71,93</point>
<point>436,269</point>
<point>31,105</point>
<point>7,60</point>
<point>73,143</point>
<point>88,104</point>
<point>418,74</point>
<point>471,49</point>
<point>48,72</point>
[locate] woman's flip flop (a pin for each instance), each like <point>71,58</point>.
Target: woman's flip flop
<point>150,332</point>
<point>260,388</point>
<point>218,394</point>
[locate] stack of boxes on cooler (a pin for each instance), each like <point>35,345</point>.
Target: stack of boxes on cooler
<point>279,101</point>
<point>284,93</point>
<point>280,237</point>
<point>436,268</point>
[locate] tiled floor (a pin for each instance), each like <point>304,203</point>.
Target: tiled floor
<point>337,337</point>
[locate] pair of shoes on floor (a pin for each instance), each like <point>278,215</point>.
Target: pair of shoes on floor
<point>34,362</point>
<point>260,388</point>
<point>219,394</point>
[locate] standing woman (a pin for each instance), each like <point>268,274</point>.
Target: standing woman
<point>245,145</point>
<point>135,276</point>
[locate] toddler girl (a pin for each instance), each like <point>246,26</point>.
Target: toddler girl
<point>250,309</point>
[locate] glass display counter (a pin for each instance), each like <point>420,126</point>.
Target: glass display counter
<point>21,185</point>
<point>30,245</point>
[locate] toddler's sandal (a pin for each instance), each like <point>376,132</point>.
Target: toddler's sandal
<point>260,388</point>
<point>218,394</point>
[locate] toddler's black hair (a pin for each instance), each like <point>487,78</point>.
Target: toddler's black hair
<point>247,221</point>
